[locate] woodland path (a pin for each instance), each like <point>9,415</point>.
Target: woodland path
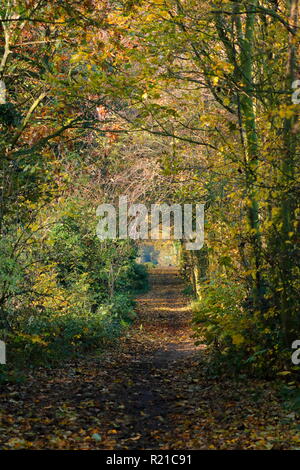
<point>149,392</point>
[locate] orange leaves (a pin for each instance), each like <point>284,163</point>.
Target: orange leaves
<point>101,112</point>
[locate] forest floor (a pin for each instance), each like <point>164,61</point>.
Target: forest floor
<point>149,392</point>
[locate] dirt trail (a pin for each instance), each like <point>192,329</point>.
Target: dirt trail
<point>164,311</point>
<point>163,336</point>
<point>150,392</point>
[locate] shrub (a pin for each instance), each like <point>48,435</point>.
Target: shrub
<point>50,339</point>
<point>138,278</point>
<point>58,306</point>
<point>243,340</point>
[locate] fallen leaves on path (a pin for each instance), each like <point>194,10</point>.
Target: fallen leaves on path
<point>150,392</point>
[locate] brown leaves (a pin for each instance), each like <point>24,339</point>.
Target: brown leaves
<point>150,392</point>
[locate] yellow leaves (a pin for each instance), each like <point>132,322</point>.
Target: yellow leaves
<point>18,443</point>
<point>288,111</point>
<point>34,227</point>
<point>250,272</point>
<point>79,57</point>
<point>116,19</point>
<point>221,68</point>
<point>270,313</point>
<point>32,205</point>
<point>49,242</point>
<point>238,339</point>
<point>34,339</point>
<point>38,340</point>
<point>50,294</point>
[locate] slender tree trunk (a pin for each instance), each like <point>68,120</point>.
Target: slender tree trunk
<point>243,71</point>
<point>288,203</point>
<point>252,147</point>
